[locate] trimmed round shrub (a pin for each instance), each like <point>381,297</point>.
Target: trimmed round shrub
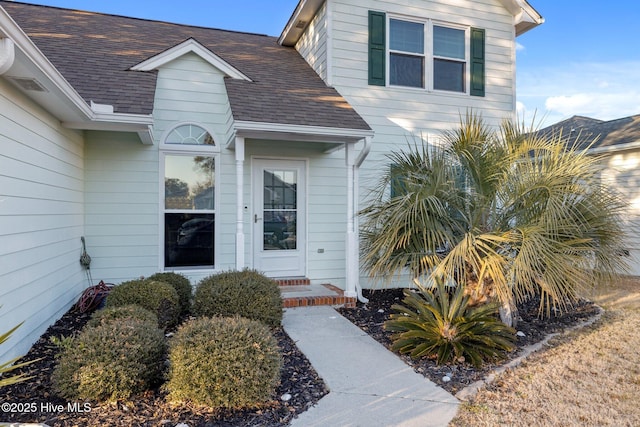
<point>119,313</point>
<point>111,361</point>
<point>181,284</point>
<point>157,297</point>
<point>223,362</point>
<point>245,293</point>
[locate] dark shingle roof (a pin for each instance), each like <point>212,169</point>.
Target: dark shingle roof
<point>584,130</point>
<point>95,51</point>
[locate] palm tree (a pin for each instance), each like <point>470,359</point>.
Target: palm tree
<point>506,213</point>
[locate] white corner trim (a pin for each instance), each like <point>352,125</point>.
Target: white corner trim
<point>7,54</point>
<point>190,46</point>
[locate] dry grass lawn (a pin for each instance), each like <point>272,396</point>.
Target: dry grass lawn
<point>589,377</point>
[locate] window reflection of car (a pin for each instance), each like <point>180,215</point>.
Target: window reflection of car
<point>193,245</point>
<point>196,233</point>
<point>279,233</point>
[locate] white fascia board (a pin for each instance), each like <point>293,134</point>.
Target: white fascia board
<point>298,132</point>
<point>190,46</point>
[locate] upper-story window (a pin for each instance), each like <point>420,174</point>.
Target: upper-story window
<point>449,59</point>
<point>189,199</point>
<point>425,54</point>
<point>406,53</point>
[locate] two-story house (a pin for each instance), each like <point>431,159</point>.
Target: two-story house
<point>178,148</point>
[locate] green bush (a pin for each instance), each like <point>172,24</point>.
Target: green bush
<point>246,293</point>
<point>181,284</point>
<point>118,313</point>
<point>158,297</point>
<point>111,361</point>
<point>433,323</point>
<point>228,362</point>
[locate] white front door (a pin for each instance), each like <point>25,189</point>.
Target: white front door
<point>279,217</point>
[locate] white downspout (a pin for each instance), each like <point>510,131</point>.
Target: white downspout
<point>7,54</point>
<point>240,262</point>
<point>353,246</point>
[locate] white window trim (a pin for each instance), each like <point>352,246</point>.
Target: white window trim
<point>429,55</point>
<point>189,150</point>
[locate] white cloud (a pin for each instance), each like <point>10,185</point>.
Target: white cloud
<point>519,47</point>
<point>600,90</point>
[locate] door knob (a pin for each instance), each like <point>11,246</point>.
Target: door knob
<point>255,218</point>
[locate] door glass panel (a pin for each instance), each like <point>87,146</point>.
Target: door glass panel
<point>280,210</point>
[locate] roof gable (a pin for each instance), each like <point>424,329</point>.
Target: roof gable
<point>189,46</point>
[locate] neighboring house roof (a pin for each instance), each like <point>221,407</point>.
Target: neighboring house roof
<point>525,18</point>
<point>608,135</point>
<point>95,53</point>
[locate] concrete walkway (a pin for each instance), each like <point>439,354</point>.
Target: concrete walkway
<point>369,386</point>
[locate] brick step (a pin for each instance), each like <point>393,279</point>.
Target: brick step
<point>310,295</point>
<point>293,281</point>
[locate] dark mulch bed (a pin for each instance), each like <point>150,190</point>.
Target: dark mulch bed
<point>35,401</point>
<point>370,318</point>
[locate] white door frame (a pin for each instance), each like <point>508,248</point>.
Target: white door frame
<point>274,258</point>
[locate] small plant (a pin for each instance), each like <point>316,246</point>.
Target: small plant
<point>246,293</point>
<point>111,361</point>
<point>118,313</point>
<point>63,342</point>
<point>181,284</point>
<point>158,297</point>
<point>227,362</point>
<point>433,323</point>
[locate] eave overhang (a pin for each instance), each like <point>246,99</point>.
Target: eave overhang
<point>525,18</point>
<point>303,14</point>
<point>28,69</point>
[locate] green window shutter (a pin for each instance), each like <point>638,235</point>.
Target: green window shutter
<point>477,62</point>
<point>377,48</point>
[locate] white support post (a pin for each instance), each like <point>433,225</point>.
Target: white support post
<point>240,262</point>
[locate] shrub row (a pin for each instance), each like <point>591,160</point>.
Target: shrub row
<point>227,357</point>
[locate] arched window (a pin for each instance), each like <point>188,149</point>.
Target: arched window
<point>189,134</point>
<point>189,201</point>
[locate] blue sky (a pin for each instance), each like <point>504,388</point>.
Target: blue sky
<point>584,60</point>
